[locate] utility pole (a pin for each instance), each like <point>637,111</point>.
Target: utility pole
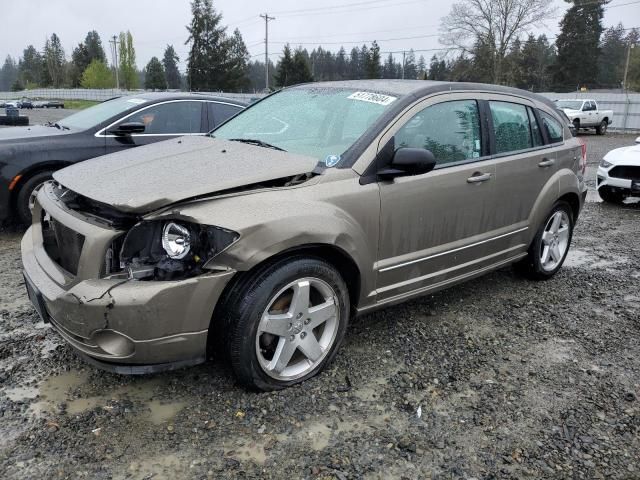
<point>114,57</point>
<point>266,48</point>
<point>626,67</point>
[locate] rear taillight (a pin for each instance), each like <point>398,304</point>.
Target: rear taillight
<point>583,158</point>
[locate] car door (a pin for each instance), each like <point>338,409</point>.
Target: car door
<point>524,164</point>
<point>439,226</point>
<point>220,112</point>
<point>162,121</point>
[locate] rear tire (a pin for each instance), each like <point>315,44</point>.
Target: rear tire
<point>611,196</point>
<point>602,128</point>
<point>285,323</point>
<point>25,196</point>
<point>550,245</point>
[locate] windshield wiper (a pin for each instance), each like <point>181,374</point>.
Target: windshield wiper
<point>257,142</point>
<point>57,125</point>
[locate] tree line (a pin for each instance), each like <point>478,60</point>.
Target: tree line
<point>484,41</point>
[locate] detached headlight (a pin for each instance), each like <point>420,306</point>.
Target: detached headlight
<point>171,250</point>
<point>605,164</point>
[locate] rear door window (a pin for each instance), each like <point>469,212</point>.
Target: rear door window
<point>552,127</point>
<point>221,112</point>
<point>511,126</point>
<point>450,130</point>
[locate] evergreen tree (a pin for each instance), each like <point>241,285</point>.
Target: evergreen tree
<point>54,60</point>
<point>373,61</point>
<point>578,44</point>
<point>389,67</point>
<point>93,46</point>
<point>30,66</point>
<point>410,67</point>
<point>209,48</point>
<point>237,64</point>
<point>170,64</point>
<point>613,56</point>
<point>154,78</point>
<point>127,58</point>
<point>438,69</point>
<point>341,68</point>
<point>284,69</point>
<point>363,62</point>
<point>83,55</point>
<point>8,74</point>
<point>97,75</point>
<point>354,64</point>
<point>422,68</point>
<point>301,69</point>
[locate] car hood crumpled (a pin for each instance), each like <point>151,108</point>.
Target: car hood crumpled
<point>147,178</point>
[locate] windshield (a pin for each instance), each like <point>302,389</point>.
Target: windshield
<point>318,122</point>
<point>97,114</point>
<point>570,104</point>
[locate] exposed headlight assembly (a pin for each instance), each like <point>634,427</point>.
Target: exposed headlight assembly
<point>172,249</point>
<point>605,164</point>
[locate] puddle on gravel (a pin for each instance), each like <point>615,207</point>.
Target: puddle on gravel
<point>253,452</point>
<point>55,390</point>
<point>580,258</point>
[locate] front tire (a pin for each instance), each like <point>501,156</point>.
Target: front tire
<point>550,245</point>
<point>26,196</point>
<point>285,322</point>
<point>602,128</point>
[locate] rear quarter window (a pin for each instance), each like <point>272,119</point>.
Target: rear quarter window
<point>552,127</point>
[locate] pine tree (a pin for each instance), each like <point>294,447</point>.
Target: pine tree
<point>410,67</point>
<point>8,73</point>
<point>127,58</point>
<point>438,69</point>
<point>209,48</point>
<point>373,61</point>
<point>154,78</point>
<point>30,67</point>
<point>54,60</point>
<point>170,64</point>
<point>422,68</point>
<point>285,68</point>
<point>354,64</point>
<point>389,67</point>
<point>613,55</point>
<point>579,44</point>
<point>237,64</point>
<point>301,69</point>
<point>341,64</point>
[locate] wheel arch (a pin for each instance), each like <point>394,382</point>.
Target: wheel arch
<point>29,172</point>
<point>332,254</point>
<point>574,202</point>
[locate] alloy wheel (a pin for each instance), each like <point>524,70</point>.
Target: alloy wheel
<point>555,240</point>
<point>297,329</point>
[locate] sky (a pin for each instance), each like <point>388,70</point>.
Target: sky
<point>396,24</point>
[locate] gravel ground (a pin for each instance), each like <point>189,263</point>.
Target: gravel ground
<point>38,116</point>
<point>497,378</point>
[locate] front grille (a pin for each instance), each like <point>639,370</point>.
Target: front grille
<point>63,245</point>
<point>625,171</point>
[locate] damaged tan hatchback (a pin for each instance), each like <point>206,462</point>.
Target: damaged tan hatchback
<point>320,202</point>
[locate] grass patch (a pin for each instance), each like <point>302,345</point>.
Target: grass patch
<point>79,104</point>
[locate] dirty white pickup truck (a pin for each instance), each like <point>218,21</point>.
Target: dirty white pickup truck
<point>586,114</point>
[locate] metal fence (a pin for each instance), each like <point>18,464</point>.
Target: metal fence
<point>625,106</point>
<point>100,95</point>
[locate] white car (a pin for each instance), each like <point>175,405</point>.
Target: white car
<point>619,174</point>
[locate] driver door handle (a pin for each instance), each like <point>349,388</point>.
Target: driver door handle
<point>546,162</point>
<point>479,177</point>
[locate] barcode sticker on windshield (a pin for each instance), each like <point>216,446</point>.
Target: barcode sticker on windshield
<point>370,97</point>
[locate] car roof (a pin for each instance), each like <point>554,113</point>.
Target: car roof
<point>159,96</point>
<point>415,89</point>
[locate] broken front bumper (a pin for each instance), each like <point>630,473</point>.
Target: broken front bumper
<point>128,326</point>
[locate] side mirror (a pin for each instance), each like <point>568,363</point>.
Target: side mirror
<point>408,161</point>
<point>128,128</point>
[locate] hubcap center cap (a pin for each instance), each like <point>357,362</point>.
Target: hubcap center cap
<point>297,327</point>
